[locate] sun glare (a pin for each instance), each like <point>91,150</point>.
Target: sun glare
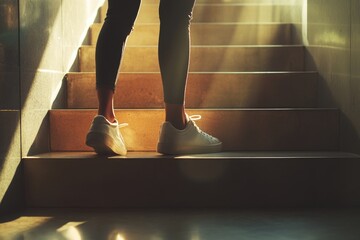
<point>119,237</point>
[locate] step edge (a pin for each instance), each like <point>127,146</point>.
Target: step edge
<point>213,73</point>
<point>208,109</point>
<point>213,46</point>
<point>233,4</point>
<point>246,155</point>
<point>216,23</point>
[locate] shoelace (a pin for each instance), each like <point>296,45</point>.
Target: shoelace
<point>195,117</point>
<point>198,117</point>
<point>122,125</point>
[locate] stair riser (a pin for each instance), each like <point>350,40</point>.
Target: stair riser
<point>245,90</point>
<point>237,129</point>
<point>213,34</point>
<point>190,183</point>
<point>223,13</point>
<point>209,59</point>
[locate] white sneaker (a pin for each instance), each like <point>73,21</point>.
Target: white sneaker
<point>190,140</point>
<point>105,137</point>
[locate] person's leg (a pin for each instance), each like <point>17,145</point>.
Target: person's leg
<point>109,49</point>
<point>104,135</point>
<point>179,134</point>
<point>174,48</point>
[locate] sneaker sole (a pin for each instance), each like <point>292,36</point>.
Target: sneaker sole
<point>169,150</point>
<point>103,144</point>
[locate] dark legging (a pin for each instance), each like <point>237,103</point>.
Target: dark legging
<point>175,17</point>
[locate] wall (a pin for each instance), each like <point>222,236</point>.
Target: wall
<point>10,152</point>
<point>39,40</point>
<point>353,113</point>
<point>332,38</point>
<point>51,32</point>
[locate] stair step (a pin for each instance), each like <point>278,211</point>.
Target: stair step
<point>276,2</point>
<point>204,90</point>
<point>258,2</point>
<point>226,13</point>
<point>214,34</point>
<point>237,179</point>
<point>238,129</point>
<point>209,58</point>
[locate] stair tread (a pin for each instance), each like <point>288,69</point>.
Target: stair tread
<point>210,109</point>
<point>218,46</point>
<point>210,72</point>
<point>227,2</point>
<point>216,156</point>
<point>215,24</point>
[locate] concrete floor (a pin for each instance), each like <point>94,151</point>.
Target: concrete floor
<point>136,224</point>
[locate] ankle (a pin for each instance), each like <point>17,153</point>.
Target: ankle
<point>110,117</point>
<point>175,114</point>
<point>106,103</point>
<point>177,124</point>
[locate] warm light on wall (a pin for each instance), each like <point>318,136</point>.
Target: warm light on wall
<point>330,38</point>
<point>56,60</point>
<point>304,23</point>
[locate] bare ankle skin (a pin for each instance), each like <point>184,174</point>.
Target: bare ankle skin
<point>175,114</point>
<point>106,103</point>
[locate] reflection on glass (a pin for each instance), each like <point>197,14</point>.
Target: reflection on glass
<point>70,232</point>
<point>119,237</point>
<point>156,237</point>
<point>195,234</point>
<point>330,38</point>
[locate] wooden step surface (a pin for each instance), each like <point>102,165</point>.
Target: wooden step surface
<point>208,58</point>
<point>238,129</point>
<point>225,13</point>
<point>213,34</point>
<point>257,2</point>
<point>234,179</point>
<point>204,90</point>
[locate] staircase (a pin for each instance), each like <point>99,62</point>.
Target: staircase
<point>248,81</point>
